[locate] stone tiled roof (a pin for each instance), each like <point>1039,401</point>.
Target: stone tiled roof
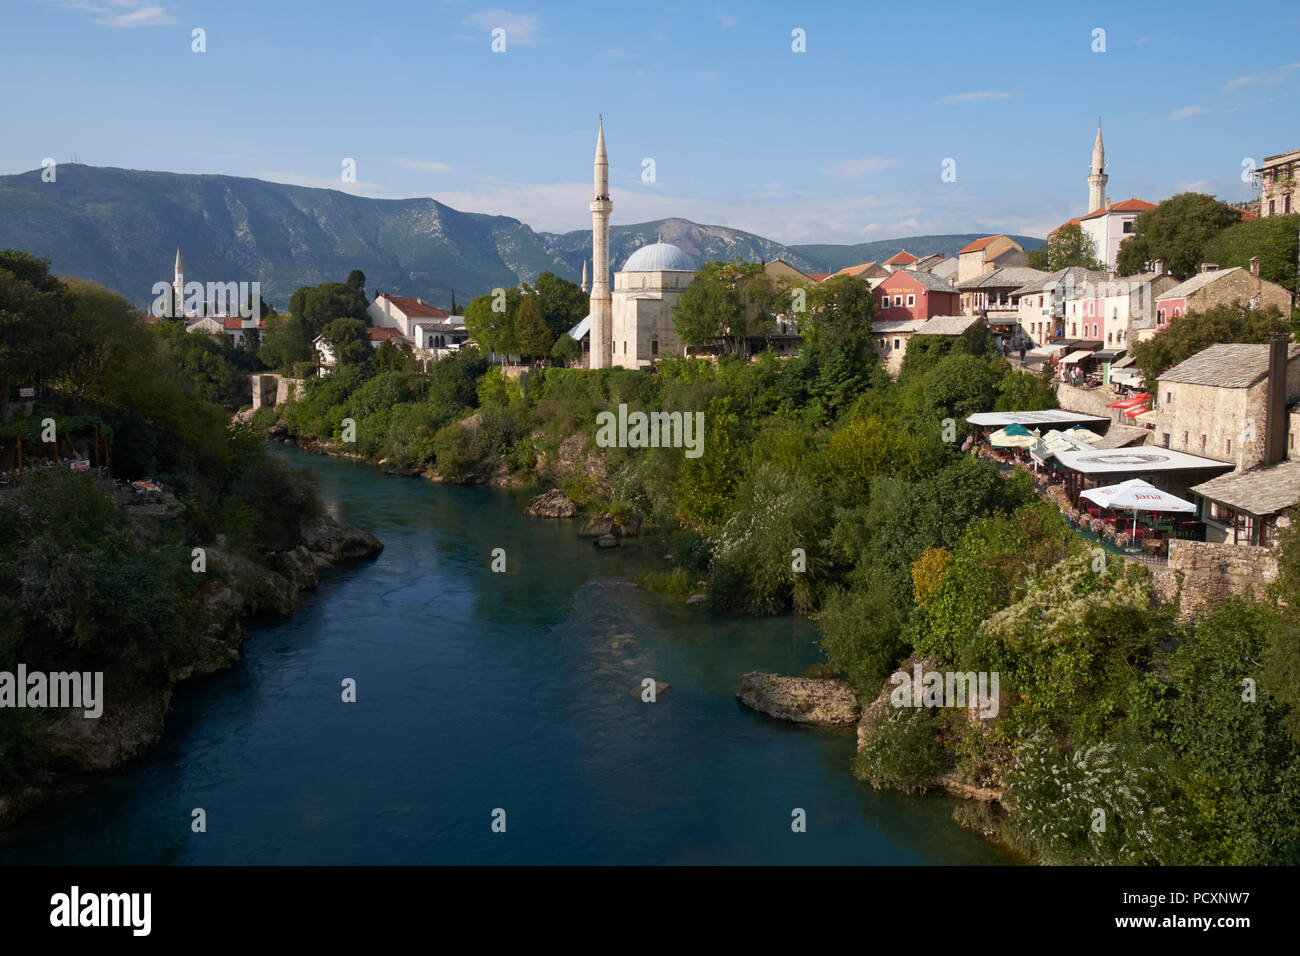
<point>931,282</point>
<point>947,324</point>
<point>1196,283</point>
<point>1074,275</point>
<point>890,326</point>
<point>1260,491</point>
<point>1227,366</point>
<point>1122,436</point>
<point>1012,277</point>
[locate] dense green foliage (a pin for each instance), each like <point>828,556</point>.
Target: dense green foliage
<point>1273,239</point>
<point>1068,246</point>
<point>84,583</point>
<point>823,487</point>
<point>1176,232</point>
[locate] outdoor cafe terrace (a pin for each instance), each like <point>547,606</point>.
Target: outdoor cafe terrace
<point>1067,469</point>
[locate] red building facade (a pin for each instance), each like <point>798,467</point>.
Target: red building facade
<point>915,295</point>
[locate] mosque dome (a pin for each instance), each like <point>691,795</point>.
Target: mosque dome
<point>659,257</point>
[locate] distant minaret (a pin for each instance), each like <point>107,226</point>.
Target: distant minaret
<point>602,308</point>
<point>584,275</point>
<point>178,287</point>
<point>1097,177</point>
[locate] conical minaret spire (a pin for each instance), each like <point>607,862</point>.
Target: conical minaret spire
<point>584,275</point>
<point>1097,174</point>
<point>178,287</point>
<point>602,311</point>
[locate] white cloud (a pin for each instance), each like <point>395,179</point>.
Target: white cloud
<point>707,75</point>
<point>728,21</point>
<point>978,96</point>
<point>1141,40</point>
<point>424,165</point>
<point>1187,111</point>
<point>858,167</point>
<point>1268,78</point>
<point>521,29</point>
<point>124,13</point>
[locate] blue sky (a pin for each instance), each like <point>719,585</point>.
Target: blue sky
<point>842,143</point>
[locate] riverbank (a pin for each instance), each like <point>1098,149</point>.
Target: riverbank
<point>61,748</point>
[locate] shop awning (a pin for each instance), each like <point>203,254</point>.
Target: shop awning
<point>1077,355</point>
<point>1149,416</point>
<point>1131,401</point>
<point>1136,410</point>
<point>1050,348</point>
<point>1109,355</point>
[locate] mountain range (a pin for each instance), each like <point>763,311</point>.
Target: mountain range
<point>121,228</point>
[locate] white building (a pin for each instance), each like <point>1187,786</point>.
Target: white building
<point>647,288</point>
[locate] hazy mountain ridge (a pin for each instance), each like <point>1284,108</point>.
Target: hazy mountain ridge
<point>121,228</point>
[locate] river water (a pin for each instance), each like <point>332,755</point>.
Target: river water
<point>478,691</point>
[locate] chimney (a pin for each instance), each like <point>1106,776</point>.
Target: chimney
<point>1209,266</point>
<point>1254,265</point>
<point>1159,267</point>
<point>419,301</point>
<point>1275,424</point>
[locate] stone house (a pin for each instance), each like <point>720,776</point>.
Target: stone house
<point>1215,404</point>
<point>1279,184</point>
<point>987,254</point>
<point>892,336</point>
<point>1213,286</point>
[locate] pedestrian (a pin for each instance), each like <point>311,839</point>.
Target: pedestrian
<point>1022,353</point>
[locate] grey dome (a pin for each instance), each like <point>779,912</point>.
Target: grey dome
<point>659,257</point>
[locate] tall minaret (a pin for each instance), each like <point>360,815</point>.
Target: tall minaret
<point>602,310</point>
<point>178,287</point>
<point>1097,177</point>
<point>584,275</point>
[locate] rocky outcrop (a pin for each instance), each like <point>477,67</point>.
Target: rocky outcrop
<point>804,700</point>
<point>607,541</point>
<point>240,588</point>
<point>552,504</point>
<point>597,527</point>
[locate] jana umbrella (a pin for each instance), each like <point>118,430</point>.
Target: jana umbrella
<point>1136,495</point>
<point>1083,434</point>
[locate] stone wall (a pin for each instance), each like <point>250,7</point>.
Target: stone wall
<point>274,389</point>
<point>1090,401</point>
<point>1200,576</point>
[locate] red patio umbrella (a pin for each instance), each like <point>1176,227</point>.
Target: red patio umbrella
<point>1130,402</point>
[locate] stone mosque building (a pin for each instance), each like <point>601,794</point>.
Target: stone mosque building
<point>631,325</point>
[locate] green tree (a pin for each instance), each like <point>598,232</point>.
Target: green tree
<point>490,320</point>
<point>566,350</point>
<point>357,280</point>
<point>563,303</point>
<point>532,335</point>
<point>1176,232</point>
<point>349,341</point>
<point>1272,238</point>
<point>1071,246</point>
<point>727,302</point>
<point>36,336</point>
<point>838,319</point>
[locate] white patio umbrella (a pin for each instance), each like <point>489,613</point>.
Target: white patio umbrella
<point>1136,495</point>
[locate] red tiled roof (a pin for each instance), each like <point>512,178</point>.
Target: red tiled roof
<point>978,244</point>
<point>383,335</point>
<point>901,257</point>
<point>234,323</point>
<point>856,270</point>
<point>410,307</point>
<point>1247,216</point>
<point>1124,205</point>
<point>817,276</point>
